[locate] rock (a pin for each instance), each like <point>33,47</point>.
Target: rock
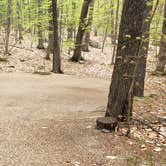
<point>143,146</point>
<point>94,44</point>
<point>111,157</point>
<point>88,127</point>
<point>40,67</point>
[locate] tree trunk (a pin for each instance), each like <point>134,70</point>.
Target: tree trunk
<point>127,52</point>
<point>162,53</point>
<point>112,21</point>
<point>143,53</point>
<point>109,15</point>
<point>8,26</point>
<point>40,31</point>
<point>19,19</point>
<point>56,48</point>
<point>116,33</point>
<point>86,38</point>
<point>81,29</point>
<point>50,35</point>
<point>71,27</point>
<point>60,13</point>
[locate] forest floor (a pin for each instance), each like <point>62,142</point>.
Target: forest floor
<point>50,119</point>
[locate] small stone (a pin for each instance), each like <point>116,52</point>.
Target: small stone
<point>111,157</point>
<point>44,127</point>
<point>88,127</point>
<point>143,146</point>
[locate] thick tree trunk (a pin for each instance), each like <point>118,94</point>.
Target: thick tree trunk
<point>86,38</point>
<point>127,53</point>
<point>143,53</point>
<point>8,26</point>
<point>40,31</point>
<point>81,29</point>
<point>162,53</point>
<point>56,48</point>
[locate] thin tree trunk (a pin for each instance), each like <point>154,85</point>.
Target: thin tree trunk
<point>19,19</point>
<point>127,52</point>
<point>112,21</point>
<point>61,23</point>
<point>50,35</point>
<point>107,26</point>
<point>162,53</point>
<point>56,48</point>
<point>116,33</point>
<point>71,27</point>
<point>8,26</point>
<point>81,29</point>
<point>40,30</point>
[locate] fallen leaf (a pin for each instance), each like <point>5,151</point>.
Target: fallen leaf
<point>157,149</point>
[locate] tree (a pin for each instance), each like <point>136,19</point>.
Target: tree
<point>56,48</point>
<point>71,26</point>
<point>162,53</point>
<point>81,29</point>
<point>86,38</point>
<point>50,35</point>
<point>143,53</point>
<point>8,26</point>
<point>19,20</point>
<point>115,35</point>
<point>129,43</point>
<point>40,30</point>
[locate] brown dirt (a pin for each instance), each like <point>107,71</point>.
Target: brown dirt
<point>50,120</point>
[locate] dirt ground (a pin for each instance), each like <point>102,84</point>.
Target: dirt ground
<point>49,120</point>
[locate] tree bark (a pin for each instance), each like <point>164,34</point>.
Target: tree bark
<point>50,35</point>
<point>162,53</point>
<point>40,31</point>
<point>114,41</point>
<point>8,27</point>
<point>19,22</point>
<point>56,48</point>
<point>86,38</point>
<point>143,53</point>
<point>127,52</point>
<point>71,27</point>
<point>81,29</point>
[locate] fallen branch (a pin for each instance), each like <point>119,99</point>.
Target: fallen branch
<point>148,124</point>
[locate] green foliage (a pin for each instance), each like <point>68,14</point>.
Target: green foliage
<point>25,12</point>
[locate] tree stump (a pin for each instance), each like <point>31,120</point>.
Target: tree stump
<point>108,123</point>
